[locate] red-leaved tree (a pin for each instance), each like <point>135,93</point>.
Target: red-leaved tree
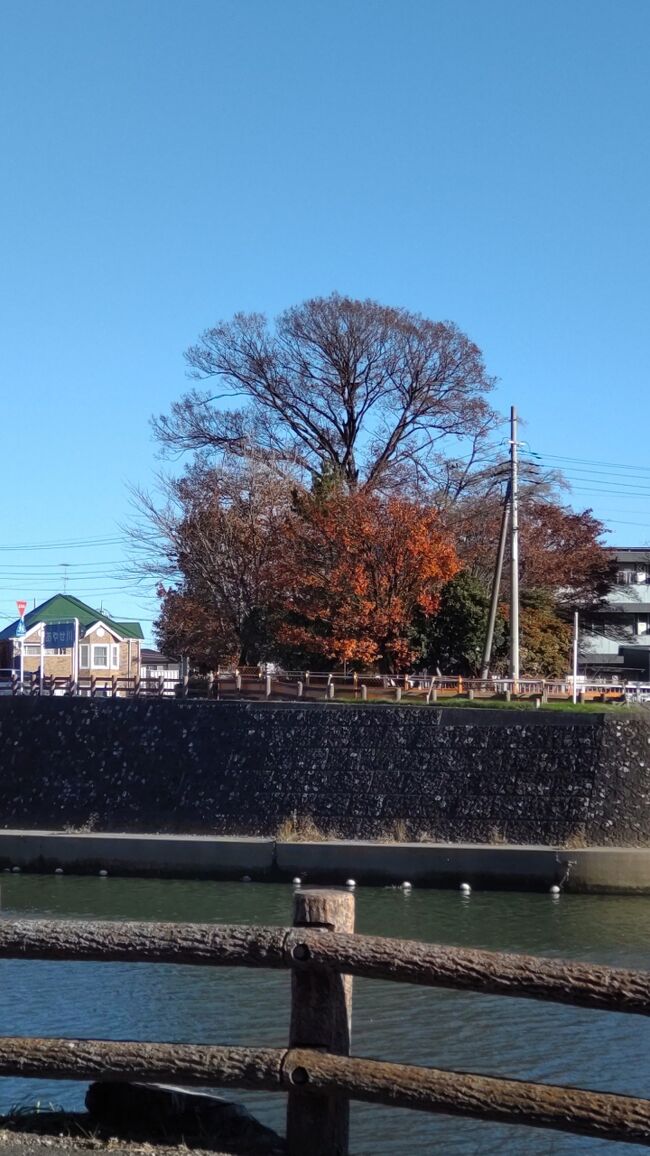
<point>357,570</point>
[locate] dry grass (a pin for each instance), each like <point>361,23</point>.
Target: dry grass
<point>300,829</point>
<point>577,840</point>
<point>82,828</point>
<point>496,836</point>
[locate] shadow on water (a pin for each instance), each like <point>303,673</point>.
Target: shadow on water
<point>475,1033</point>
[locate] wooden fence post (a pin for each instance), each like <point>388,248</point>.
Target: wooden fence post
<point>93,686</point>
<point>210,684</point>
<point>268,686</point>
<point>321,1017</point>
<point>364,692</point>
<point>299,689</point>
<point>114,685</point>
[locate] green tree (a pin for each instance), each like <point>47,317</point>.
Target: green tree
<point>453,639</point>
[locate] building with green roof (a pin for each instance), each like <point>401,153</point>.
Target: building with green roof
<point>66,638</point>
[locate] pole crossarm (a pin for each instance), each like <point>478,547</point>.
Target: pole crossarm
<point>587,985</point>
<point>596,1114</point>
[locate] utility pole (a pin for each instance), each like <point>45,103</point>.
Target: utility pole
<point>496,585</point>
<point>575,657</point>
<point>514,550</point>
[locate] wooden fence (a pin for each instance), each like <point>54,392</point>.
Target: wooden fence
<point>308,686</point>
<point>315,1068</point>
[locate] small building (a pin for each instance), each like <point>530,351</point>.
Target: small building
<point>154,665</point>
<point>66,638</point>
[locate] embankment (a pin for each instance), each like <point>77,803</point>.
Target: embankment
<point>372,772</point>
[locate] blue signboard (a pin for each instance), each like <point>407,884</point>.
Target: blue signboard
<point>21,628</point>
<point>59,634</point>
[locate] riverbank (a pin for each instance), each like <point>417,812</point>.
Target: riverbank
<point>606,870</point>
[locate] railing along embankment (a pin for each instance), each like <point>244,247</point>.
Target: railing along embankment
<point>315,1068</point>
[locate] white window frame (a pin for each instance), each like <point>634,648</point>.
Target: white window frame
<point>87,652</point>
<point>32,649</point>
<point>101,665</point>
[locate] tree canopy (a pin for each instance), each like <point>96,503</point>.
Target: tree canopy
<point>372,394</point>
<point>357,568</point>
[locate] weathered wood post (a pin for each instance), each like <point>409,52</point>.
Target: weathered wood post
<point>471,694</point>
<point>329,692</point>
<point>299,688</point>
<point>398,694</point>
<point>268,686</point>
<point>238,682</point>
<point>321,1017</point>
<point>364,692</point>
<point>210,684</point>
<point>114,686</point>
<point>161,686</point>
<point>93,686</point>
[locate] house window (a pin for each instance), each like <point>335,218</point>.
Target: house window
<point>31,649</point>
<point>625,577</point>
<point>57,650</point>
<point>101,657</point>
<point>643,624</point>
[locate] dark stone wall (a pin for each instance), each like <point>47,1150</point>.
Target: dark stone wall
<point>207,767</point>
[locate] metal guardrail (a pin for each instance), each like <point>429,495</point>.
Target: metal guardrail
<point>315,1068</point>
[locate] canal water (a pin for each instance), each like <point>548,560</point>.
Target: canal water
<point>504,1037</point>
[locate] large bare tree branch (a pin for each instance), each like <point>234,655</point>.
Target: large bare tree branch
<point>339,386</point>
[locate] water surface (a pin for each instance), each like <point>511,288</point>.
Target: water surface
<point>487,1034</point>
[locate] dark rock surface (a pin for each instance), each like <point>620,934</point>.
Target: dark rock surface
<point>158,1111</point>
<point>356,772</point>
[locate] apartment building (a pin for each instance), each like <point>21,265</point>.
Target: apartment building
<point>615,640</point>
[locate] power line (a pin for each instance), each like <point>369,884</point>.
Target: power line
<point>590,462</point>
<point>72,544</point>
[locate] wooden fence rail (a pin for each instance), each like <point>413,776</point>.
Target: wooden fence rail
<point>319,1076</point>
<point>588,985</point>
<point>318,687</point>
<point>315,1069</point>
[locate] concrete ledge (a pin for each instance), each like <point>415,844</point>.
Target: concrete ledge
<point>173,856</point>
<point>523,868</point>
<point>508,867</point>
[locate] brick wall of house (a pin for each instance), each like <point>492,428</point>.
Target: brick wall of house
<point>60,665</point>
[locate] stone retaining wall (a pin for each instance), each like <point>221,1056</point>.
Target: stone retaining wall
<point>356,772</point>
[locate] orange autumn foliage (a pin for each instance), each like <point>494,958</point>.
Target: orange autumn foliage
<point>357,569</point>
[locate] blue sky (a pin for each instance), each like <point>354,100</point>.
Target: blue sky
<point>165,164</point>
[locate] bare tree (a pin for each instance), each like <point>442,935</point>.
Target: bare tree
<point>370,394</point>
<point>211,539</point>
